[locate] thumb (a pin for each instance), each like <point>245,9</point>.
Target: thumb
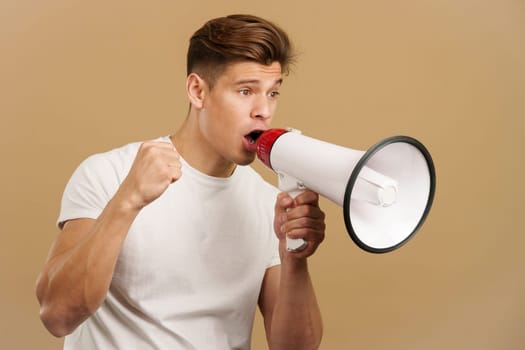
<point>282,204</point>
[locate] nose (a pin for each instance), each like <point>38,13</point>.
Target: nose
<point>263,108</point>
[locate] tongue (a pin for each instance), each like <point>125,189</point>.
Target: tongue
<point>251,145</point>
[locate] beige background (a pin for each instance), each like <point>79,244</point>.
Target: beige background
<point>78,77</point>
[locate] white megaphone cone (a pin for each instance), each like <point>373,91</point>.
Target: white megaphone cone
<point>386,192</point>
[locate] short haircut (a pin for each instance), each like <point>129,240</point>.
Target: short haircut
<point>237,38</point>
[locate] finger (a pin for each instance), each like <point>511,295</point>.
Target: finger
<point>305,211</point>
<point>307,233</point>
<point>162,159</point>
<point>307,197</point>
<point>155,150</point>
<point>176,174</point>
<point>312,242</point>
<point>283,203</point>
<point>313,239</point>
<point>309,250</point>
<point>159,145</point>
<point>174,167</point>
<point>164,144</point>
<point>168,149</point>
<point>302,225</point>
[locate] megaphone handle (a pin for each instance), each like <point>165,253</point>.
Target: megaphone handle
<point>294,188</point>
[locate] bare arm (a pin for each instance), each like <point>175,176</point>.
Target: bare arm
<point>288,303</point>
<point>78,271</point>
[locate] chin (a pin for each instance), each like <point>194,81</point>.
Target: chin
<point>246,160</point>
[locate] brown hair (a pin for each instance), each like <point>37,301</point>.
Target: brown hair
<point>236,38</point>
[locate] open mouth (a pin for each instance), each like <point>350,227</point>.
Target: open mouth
<point>251,139</point>
<point>253,136</point>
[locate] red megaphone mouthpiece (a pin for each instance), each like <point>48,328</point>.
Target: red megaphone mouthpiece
<point>265,143</point>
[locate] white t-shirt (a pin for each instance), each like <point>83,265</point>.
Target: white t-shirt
<point>192,264</point>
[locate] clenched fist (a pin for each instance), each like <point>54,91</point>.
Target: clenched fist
<point>156,166</point>
<point>299,218</point>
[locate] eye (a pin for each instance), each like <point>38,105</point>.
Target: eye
<point>274,94</point>
<point>244,92</point>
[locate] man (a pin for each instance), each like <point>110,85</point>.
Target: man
<point>171,243</point>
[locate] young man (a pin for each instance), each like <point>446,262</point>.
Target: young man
<point>171,243</point>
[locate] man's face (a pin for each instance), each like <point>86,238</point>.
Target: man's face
<point>240,104</point>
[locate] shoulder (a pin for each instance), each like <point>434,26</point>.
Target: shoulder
<point>106,165</point>
<point>104,171</point>
<point>117,156</point>
<point>115,162</point>
<point>95,181</point>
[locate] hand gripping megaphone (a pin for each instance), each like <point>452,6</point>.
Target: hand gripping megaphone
<point>386,192</point>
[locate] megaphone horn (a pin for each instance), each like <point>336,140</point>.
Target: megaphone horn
<point>386,192</point>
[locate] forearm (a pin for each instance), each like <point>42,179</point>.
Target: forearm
<point>296,321</point>
<point>76,279</point>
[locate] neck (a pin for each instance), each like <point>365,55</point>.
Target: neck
<point>197,152</point>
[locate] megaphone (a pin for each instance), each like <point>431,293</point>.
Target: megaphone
<point>386,192</point>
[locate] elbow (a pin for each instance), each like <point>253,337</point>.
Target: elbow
<point>50,318</point>
<point>58,319</point>
<point>61,320</point>
<point>54,323</point>
<point>59,314</point>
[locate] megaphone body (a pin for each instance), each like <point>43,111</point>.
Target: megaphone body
<point>386,192</point>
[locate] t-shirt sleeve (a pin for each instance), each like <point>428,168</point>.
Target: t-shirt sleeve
<point>89,189</point>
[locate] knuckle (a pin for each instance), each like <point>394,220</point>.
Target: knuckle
<point>147,144</point>
<point>148,149</point>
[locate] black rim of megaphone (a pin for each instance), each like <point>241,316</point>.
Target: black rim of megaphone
<point>353,178</point>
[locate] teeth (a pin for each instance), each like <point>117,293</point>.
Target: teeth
<point>252,141</point>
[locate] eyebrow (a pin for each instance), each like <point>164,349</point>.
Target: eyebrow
<point>256,81</point>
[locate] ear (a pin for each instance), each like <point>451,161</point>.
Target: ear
<point>196,89</point>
